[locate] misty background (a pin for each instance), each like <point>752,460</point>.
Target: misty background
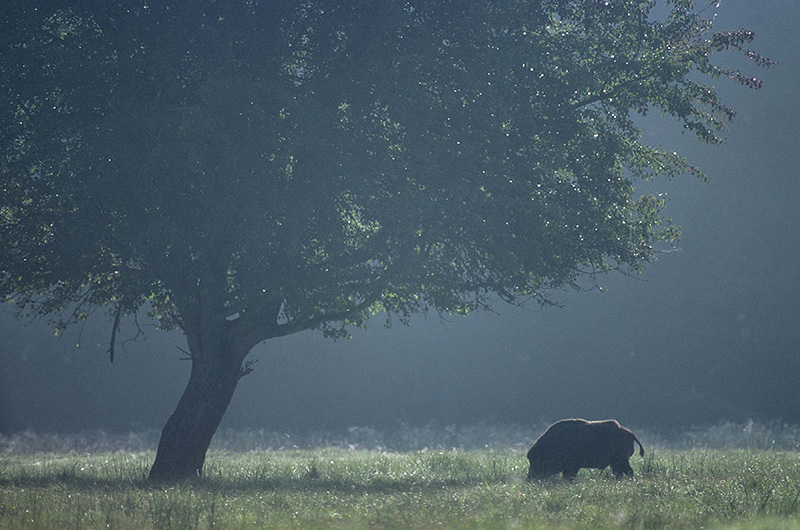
<point>710,332</point>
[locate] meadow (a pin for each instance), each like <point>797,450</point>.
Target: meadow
<point>342,484</point>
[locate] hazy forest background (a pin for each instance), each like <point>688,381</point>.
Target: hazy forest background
<point>709,333</point>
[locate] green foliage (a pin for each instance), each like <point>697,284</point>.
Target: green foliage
<point>305,165</point>
<point>332,488</point>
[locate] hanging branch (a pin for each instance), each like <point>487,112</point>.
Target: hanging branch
<point>114,329</point>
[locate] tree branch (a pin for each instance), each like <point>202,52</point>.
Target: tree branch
<point>188,354</point>
<point>283,330</point>
<point>611,92</point>
<point>114,329</point>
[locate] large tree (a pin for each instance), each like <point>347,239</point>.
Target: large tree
<point>245,170</point>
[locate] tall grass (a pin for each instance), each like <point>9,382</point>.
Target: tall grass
<point>346,486</point>
<point>404,437</point>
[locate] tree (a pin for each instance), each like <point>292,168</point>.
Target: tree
<point>246,170</point>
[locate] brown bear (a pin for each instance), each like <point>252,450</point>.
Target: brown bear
<point>569,445</point>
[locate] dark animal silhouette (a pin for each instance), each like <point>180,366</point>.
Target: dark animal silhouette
<point>569,445</point>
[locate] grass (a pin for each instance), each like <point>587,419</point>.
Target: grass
<point>341,488</point>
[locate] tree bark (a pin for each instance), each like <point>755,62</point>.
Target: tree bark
<point>188,432</point>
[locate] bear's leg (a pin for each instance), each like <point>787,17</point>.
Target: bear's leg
<point>571,473</point>
<point>623,467</point>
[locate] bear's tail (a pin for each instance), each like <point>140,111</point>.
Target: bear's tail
<point>641,447</point>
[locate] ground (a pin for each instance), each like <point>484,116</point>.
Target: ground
<point>341,487</point>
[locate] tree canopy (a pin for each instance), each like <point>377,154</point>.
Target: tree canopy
<point>245,170</point>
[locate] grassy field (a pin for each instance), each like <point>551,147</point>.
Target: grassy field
<point>341,488</point>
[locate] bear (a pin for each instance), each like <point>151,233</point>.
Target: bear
<point>569,445</point>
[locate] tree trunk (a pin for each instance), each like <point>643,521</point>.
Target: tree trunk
<point>188,432</point>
